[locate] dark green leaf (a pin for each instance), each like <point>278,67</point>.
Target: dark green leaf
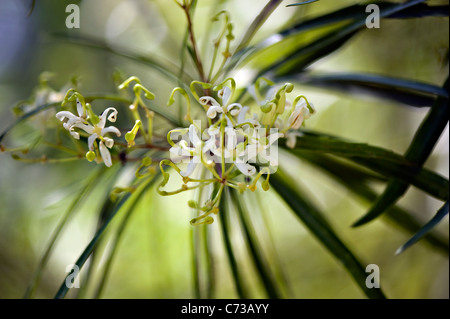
<point>27,115</point>
<point>305,55</point>
<point>422,10</point>
<point>224,223</point>
<point>420,148</point>
<point>424,179</point>
<point>314,221</point>
<point>114,247</point>
<point>256,252</point>
<point>400,90</point>
<point>380,160</point>
<point>95,240</point>
<point>257,23</point>
<point>165,67</point>
<point>339,147</point>
<point>442,212</point>
<point>301,3</point>
<point>45,257</point>
<point>355,180</point>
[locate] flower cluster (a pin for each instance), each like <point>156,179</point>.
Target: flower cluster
<point>91,124</point>
<point>234,142</point>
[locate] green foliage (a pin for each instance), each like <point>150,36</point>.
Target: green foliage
<point>285,55</point>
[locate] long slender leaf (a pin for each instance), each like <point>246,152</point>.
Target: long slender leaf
<point>114,247</point>
<point>258,22</point>
<point>408,92</point>
<point>301,3</point>
<point>346,15</point>
<point>442,212</point>
<point>424,179</point>
<point>237,276</point>
<point>63,289</point>
<point>420,148</point>
<point>382,161</point>
<point>305,55</point>
<point>256,252</point>
<point>356,180</point>
<point>34,284</point>
<point>422,10</point>
<point>263,224</point>
<point>314,221</point>
<point>195,262</point>
<point>165,67</point>
<point>210,264</point>
<point>339,147</point>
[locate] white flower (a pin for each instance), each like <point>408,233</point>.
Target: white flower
<point>299,115</point>
<point>259,149</point>
<point>290,123</point>
<point>182,150</point>
<point>215,107</point>
<point>96,131</point>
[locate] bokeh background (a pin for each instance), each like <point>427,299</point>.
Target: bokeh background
<point>153,260</point>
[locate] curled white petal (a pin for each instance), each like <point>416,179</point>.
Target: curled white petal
<point>74,134</point>
<point>213,110</point>
<point>109,142</point>
<point>245,169</point>
<point>234,108</point>
<point>104,115</point>
<point>66,114</point>
<point>110,129</point>
<point>104,152</point>
<point>85,127</point>
<point>208,101</point>
<point>91,140</point>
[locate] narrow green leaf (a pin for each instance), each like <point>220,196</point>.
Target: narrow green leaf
<point>264,226</point>
<point>163,66</point>
<point>333,145</point>
<point>422,10</point>
<point>27,115</point>
<point>257,23</point>
<point>95,240</point>
<point>224,212</point>
<point>314,221</point>
<point>442,212</point>
<point>355,180</point>
<point>424,179</point>
<point>256,252</point>
<point>377,159</point>
<point>408,92</point>
<point>420,148</point>
<point>34,284</point>
<point>195,261</point>
<point>114,247</point>
<point>210,264</point>
<point>305,55</point>
<point>33,3</point>
<point>301,3</point>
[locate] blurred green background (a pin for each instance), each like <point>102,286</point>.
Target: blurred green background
<point>154,257</point>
